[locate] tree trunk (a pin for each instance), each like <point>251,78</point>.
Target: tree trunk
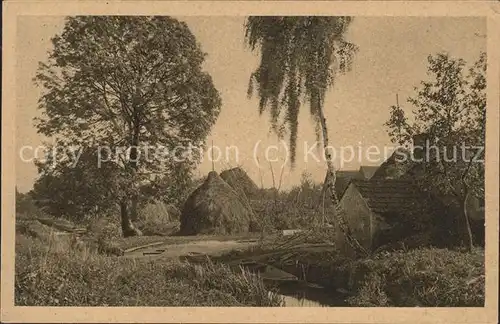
<point>323,194</point>
<point>470,241</point>
<point>330,180</point>
<point>128,229</point>
<point>133,208</point>
<point>134,164</point>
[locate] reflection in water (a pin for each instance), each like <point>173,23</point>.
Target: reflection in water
<point>310,297</point>
<point>296,302</point>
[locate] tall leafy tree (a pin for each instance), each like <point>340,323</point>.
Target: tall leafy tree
<point>450,115</point>
<point>300,59</point>
<point>76,191</point>
<point>25,205</point>
<point>124,85</point>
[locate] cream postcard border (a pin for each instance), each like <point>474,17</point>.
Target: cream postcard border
<point>11,313</point>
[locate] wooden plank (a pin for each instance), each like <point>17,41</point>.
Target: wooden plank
<point>142,246</point>
<point>151,253</point>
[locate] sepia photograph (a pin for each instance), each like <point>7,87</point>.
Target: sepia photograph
<point>263,160</point>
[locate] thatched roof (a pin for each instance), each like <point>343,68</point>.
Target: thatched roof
<point>239,180</point>
<point>215,208</point>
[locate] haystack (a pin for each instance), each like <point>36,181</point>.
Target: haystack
<point>215,208</point>
<point>239,180</point>
<point>160,211</point>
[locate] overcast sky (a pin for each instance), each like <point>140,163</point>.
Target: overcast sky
<point>392,59</point>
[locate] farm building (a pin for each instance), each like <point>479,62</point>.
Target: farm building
<point>389,207</point>
<point>344,177</point>
<point>400,166</point>
<point>380,212</point>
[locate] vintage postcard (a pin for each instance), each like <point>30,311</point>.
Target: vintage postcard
<point>250,161</point>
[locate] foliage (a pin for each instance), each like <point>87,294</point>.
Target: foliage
<point>279,215</point>
<point>104,228</point>
<point>33,228</point>
<point>26,206</point>
<point>172,188</point>
<point>449,115</point>
<point>422,277</point>
<point>76,190</point>
<point>121,86</point>
<point>426,277</point>
<point>308,193</point>
<point>451,111</point>
<point>301,207</point>
<point>300,57</point>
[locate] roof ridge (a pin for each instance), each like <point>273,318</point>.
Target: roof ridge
<point>378,180</point>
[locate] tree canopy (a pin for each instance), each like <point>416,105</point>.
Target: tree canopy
<point>300,57</point>
<point>77,191</point>
<point>450,111</point>
<point>126,85</point>
<point>450,115</point>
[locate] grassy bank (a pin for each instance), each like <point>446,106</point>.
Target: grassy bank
<point>422,277</point>
<point>426,277</point>
<point>52,273</point>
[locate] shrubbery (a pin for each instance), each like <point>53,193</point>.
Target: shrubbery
<point>26,207</point>
<point>422,277</point>
<point>301,207</point>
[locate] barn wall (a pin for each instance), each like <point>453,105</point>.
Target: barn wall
<point>358,218</point>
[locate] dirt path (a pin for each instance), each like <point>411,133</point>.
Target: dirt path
<point>176,250</point>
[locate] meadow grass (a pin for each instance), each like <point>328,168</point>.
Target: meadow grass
<point>55,273</point>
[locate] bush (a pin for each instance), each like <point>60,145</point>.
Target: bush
<point>26,208</point>
<point>278,215</point>
<point>299,208</point>
<point>33,228</point>
<point>422,277</point>
<point>105,228</point>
